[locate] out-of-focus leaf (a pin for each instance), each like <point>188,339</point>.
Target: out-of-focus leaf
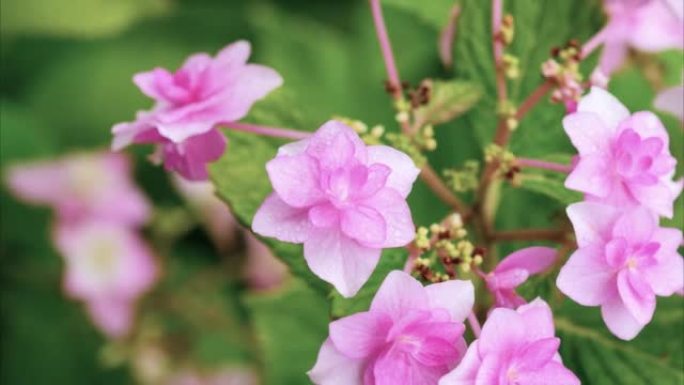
<point>597,357</point>
<point>23,136</point>
<point>550,186</point>
<point>448,100</point>
<point>291,327</point>
<point>75,18</point>
<point>392,259</point>
<point>435,12</point>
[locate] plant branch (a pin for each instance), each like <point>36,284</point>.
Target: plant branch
<point>498,48</point>
<point>544,165</point>
<point>267,131</point>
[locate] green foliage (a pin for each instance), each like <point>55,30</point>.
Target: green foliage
<point>434,13</point>
<point>551,186</point>
<point>448,100</point>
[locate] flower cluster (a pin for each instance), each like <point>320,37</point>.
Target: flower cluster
<point>190,103</point>
<point>98,212</point>
<point>626,171</point>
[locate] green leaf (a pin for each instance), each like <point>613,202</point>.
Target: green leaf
<point>449,99</point>
<point>392,259</point>
<point>597,357</point>
<point>75,18</point>
<point>290,327</point>
<point>435,12</point>
<point>550,186</point>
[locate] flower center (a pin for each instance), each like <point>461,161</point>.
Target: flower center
<point>631,263</point>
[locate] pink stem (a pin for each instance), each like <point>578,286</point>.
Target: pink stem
<point>386,48</point>
<point>593,43</point>
<point>446,38</point>
<point>412,256</point>
<point>544,165</point>
<point>497,15</point>
<point>267,131</point>
<point>474,324</point>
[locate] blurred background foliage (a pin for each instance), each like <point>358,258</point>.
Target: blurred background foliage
<point>66,69</point>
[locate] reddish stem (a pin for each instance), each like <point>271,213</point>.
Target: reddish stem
<point>386,48</point>
<point>544,165</point>
<point>267,131</point>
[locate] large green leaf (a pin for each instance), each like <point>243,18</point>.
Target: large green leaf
<point>598,358</point>
<point>550,186</point>
<point>290,327</point>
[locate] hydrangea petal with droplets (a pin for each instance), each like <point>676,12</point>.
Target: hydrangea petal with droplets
<point>192,102</point>
<point>411,335</point>
<point>514,270</point>
<point>624,260</point>
<point>96,185</point>
<point>515,347</point>
<point>624,159</point>
<point>109,267</point>
<point>343,200</point>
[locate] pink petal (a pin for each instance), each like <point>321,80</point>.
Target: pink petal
<point>375,179</point>
<point>616,252</point>
<point>553,373</point>
<point>635,225</point>
<point>586,277</point>
<point>593,222</point>
<point>398,294</point>
<point>507,298</point>
<point>507,279</point>
<point>295,180</point>
<point>178,129</point>
<point>360,335</point>
<point>466,371</point>
<point>666,277</point>
<point>324,215</point>
<point>591,175</point>
<point>671,100</point>
<point>446,37</point>
<point>606,106</point>
<point>190,158</point>
<point>277,219</point>
<point>234,53</point>
<point>613,56</point>
<point>491,371</point>
<point>647,125</point>
<point>339,260</point>
<point>619,320</point>
<point>397,368</point>
<point>334,368</point>
<point>397,214</point>
<point>538,320</point>
<point>502,333</point>
<point>255,82</point>
<point>364,225</point>
<point>38,183</point>
<point>658,197</point>
<point>636,295</point>
<point>158,84</point>
<point>404,171</point>
<point>537,354</point>
<point>334,143</point>
<point>533,259</point>
<point>114,318</point>
<point>658,28</point>
<point>455,296</point>
<point>588,132</point>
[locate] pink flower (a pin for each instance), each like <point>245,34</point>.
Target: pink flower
<point>515,347</point>
<point>671,100</point>
<point>411,335</point>
<point>646,25</point>
<point>343,200</point>
<point>623,160</point>
<point>227,376</point>
<point>624,260</point>
<point>191,102</point>
<point>107,266</point>
<point>96,185</point>
<point>514,270</point>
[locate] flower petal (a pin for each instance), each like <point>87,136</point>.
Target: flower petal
<point>455,296</point>
<point>190,158</point>
<point>538,319</point>
<point>553,373</point>
<point>635,225</point>
<point>588,132</point>
<point>277,219</point>
<point>619,320</point>
<point>399,293</point>
<point>295,179</point>
<point>586,277</point>
<point>605,105</point>
<point>502,333</point>
<point>591,175</point>
<point>334,368</point>
<point>466,371</point>
<point>334,144</point>
<point>533,259</point>
<point>637,295</point>
<point>404,171</point>
<point>593,222</point>
<point>397,214</point>
<point>364,225</point>
<point>360,335</point>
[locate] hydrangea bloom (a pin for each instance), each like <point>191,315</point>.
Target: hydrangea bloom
<point>411,335</point>
<point>671,100</point>
<point>191,102</point>
<point>624,260</point>
<point>108,267</point>
<point>646,25</point>
<point>514,271</point>
<point>515,347</point>
<point>623,160</point>
<point>81,186</point>
<point>343,200</point>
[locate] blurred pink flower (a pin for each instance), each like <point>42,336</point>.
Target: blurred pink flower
<point>264,271</point>
<point>107,266</point>
<point>192,102</point>
<point>671,100</point>
<point>515,347</point>
<point>96,185</point>
<point>623,160</point>
<point>624,260</point>
<point>646,25</point>
<point>411,335</point>
<point>343,200</point>
<point>229,376</point>
<point>514,270</point>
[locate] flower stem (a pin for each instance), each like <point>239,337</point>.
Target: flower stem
<point>593,43</point>
<point>435,183</point>
<point>386,48</point>
<point>268,131</point>
<point>544,165</point>
<point>474,324</point>
<point>533,99</point>
<point>498,48</point>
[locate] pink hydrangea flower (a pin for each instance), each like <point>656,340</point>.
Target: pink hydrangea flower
<point>228,376</point>
<point>514,270</point>
<point>671,100</point>
<point>515,347</point>
<point>411,335</point>
<point>343,200</point>
<point>646,25</point>
<point>108,267</point>
<point>624,260</point>
<point>96,185</point>
<point>191,102</point>
<point>624,159</point>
